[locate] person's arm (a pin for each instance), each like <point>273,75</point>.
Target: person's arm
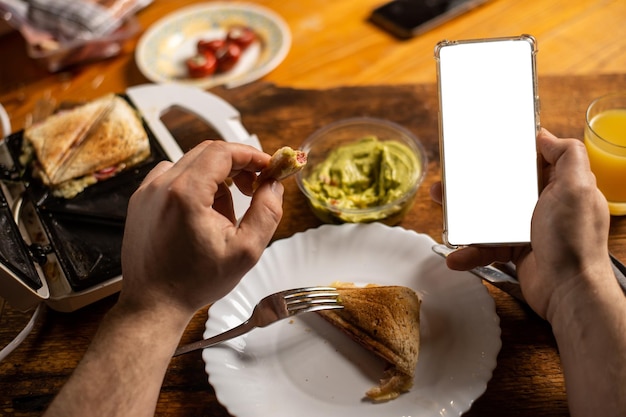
<point>182,250</point>
<point>122,371</point>
<point>584,303</point>
<point>589,324</point>
<point>567,277</point>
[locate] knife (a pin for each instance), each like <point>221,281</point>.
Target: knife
<point>496,277</point>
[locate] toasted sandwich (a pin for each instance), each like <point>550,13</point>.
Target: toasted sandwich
<point>385,320</point>
<point>79,147</point>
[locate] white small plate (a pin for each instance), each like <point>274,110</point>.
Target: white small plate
<point>305,367</point>
<point>162,50</point>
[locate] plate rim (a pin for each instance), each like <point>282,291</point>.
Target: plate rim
<point>247,77</point>
<point>476,390</point>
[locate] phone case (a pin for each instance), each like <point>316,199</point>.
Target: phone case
<point>448,233</point>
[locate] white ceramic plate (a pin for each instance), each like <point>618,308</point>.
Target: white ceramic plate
<point>305,367</point>
<point>164,47</point>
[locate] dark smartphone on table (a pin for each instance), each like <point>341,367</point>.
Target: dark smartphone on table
<point>488,125</point>
<point>407,18</point>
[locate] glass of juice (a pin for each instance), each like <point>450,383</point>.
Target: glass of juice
<point>605,139</point>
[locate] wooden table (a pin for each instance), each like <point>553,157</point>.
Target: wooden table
<point>528,379</point>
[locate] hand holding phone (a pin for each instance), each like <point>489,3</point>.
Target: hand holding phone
<point>489,121</point>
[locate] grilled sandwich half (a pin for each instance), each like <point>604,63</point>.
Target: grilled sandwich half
<point>76,148</point>
<point>385,320</point>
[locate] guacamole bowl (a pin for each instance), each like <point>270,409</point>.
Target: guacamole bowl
<point>362,170</point>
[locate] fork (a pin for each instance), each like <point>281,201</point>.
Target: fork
<point>273,308</point>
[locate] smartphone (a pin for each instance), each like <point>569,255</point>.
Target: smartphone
<point>407,18</point>
<point>488,125</point>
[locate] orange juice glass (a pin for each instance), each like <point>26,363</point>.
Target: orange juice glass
<point>605,139</point>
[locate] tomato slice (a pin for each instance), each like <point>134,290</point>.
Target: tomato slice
<point>241,35</point>
<point>209,45</point>
<point>201,65</point>
<point>105,173</point>
<point>228,56</point>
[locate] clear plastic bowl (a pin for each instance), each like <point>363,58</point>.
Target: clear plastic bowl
<point>379,206</point>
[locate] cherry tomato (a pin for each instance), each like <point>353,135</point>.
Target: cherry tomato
<point>209,45</point>
<point>241,35</point>
<point>201,65</point>
<point>227,56</point>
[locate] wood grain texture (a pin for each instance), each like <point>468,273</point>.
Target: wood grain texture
<point>528,379</point>
<point>334,45</point>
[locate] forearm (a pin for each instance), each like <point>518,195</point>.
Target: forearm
<point>590,329</point>
<point>123,369</point>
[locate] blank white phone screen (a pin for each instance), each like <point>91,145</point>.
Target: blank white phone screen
<point>488,141</point>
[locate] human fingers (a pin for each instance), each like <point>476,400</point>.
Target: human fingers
<point>244,181</point>
<point>551,147</point>
<point>223,203</point>
<point>211,165</point>
<point>570,152</point>
<point>262,218</point>
<point>571,217</point>
<point>238,157</point>
<point>165,166</point>
<point>567,176</point>
<point>155,172</point>
<point>469,257</point>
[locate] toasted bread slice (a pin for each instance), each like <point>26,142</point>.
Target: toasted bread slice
<point>385,320</point>
<point>79,147</point>
<point>55,139</point>
<point>119,138</point>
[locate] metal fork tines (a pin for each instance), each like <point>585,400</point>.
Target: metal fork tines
<point>273,308</point>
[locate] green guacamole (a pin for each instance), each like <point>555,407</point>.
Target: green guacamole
<point>364,174</point>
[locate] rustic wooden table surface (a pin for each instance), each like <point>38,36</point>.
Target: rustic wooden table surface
<point>339,66</point>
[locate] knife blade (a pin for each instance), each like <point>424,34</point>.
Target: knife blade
<point>494,276</point>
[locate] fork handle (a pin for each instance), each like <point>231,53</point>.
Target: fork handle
<point>244,327</point>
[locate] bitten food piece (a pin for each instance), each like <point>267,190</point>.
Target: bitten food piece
<point>385,320</point>
<point>284,163</point>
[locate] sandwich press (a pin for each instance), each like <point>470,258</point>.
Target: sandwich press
<point>67,253</point>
